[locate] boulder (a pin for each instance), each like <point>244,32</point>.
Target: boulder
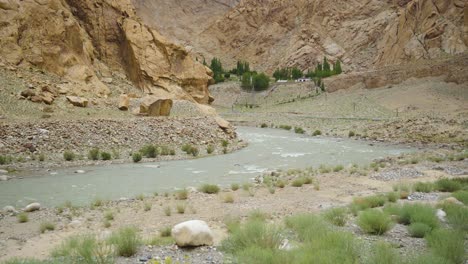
<point>156,106</point>
<point>9,209</point>
<point>124,102</point>
<point>3,178</point>
<point>222,123</point>
<point>452,200</point>
<point>32,207</point>
<point>192,233</point>
<point>28,93</point>
<point>3,171</point>
<point>47,98</point>
<point>78,101</point>
<point>441,215</point>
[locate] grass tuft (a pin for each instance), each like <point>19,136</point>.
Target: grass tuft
<point>209,188</point>
<point>46,226</point>
<point>337,216</point>
<point>374,222</point>
<point>22,217</point>
<point>126,241</point>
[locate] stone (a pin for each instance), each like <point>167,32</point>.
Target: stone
<point>9,209</point>
<point>107,80</point>
<point>3,171</point>
<point>80,171</point>
<point>36,99</point>
<point>78,101</point>
<point>156,106</point>
<point>32,207</point>
<point>452,200</point>
<point>3,178</point>
<point>192,233</point>
<point>441,215</point>
<point>222,123</point>
<point>124,102</point>
<point>28,93</point>
<point>75,223</point>
<point>47,98</point>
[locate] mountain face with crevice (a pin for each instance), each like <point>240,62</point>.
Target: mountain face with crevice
<point>85,41</point>
<point>364,34</point>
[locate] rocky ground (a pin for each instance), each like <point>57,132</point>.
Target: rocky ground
<point>25,240</point>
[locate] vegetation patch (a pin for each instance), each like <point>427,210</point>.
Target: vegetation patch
<point>209,188</point>
<point>374,222</point>
<point>336,216</point>
<point>126,241</point>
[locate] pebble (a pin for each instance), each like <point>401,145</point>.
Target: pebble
<point>397,174</point>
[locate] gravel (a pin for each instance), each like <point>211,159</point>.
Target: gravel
<point>397,174</point>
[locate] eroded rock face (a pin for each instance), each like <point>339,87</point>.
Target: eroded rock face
<point>83,41</point>
<point>363,33</point>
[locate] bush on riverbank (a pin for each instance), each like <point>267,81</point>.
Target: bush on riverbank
<point>374,222</point>
<point>68,155</point>
<point>136,157</point>
<point>209,188</point>
<point>93,154</point>
<point>126,241</point>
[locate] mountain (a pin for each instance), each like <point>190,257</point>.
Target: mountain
<point>364,34</point>
<point>84,41</point>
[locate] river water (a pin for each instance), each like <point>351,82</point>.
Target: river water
<point>268,149</point>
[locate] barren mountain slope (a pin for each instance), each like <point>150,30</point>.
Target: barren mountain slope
<point>362,33</point>
<point>86,40</point>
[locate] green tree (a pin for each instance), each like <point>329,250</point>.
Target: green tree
<point>261,82</point>
<point>296,73</point>
<point>337,67</point>
<point>246,81</point>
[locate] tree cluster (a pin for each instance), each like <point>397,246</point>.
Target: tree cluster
<point>322,70</point>
<point>255,81</point>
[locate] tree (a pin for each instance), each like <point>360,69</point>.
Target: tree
<point>296,73</point>
<point>246,81</point>
<point>337,67</point>
<point>261,82</point>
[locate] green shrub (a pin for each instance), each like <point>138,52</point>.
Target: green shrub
<point>280,184</point>
<point>263,125</point>
<point>136,157</point>
<point>461,196</point>
<point>109,215</point>
<point>167,211</point>
<point>336,216</point>
<point>210,149</point>
<point>83,249</point>
<point>257,215</point>
<point>324,169</point>
<point>253,234</point>
<point>165,150</point>
<point>224,143</point>
<point>457,216</point>
<point>149,151</point>
<point>140,197</point>
<point>375,222</point>
<point>338,168</point>
<point>418,213</point>
<point>425,187</point>
<point>166,231</point>
<point>3,160</point>
<point>126,241</point>
<point>383,253</point>
<point>419,229</point>
<point>97,202</point>
<point>448,185</point>
<point>363,203</point>
<point>106,156</point>
<point>299,130</point>
<point>22,217</point>
<point>68,155</point>
<point>285,127</point>
<point>246,186</point>
<point>182,194</point>
<point>448,244</point>
<point>317,133</point>
<point>228,198</point>
<point>46,226</point>
<point>235,186</point>
<point>106,224</point>
<point>42,157</point>
<point>93,154</point>
<point>209,188</point>
<point>351,134</point>
<point>180,208</point>
<point>298,182</point>
<point>392,197</point>
<point>147,206</point>
<point>194,151</point>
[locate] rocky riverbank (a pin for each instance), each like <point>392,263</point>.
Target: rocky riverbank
<point>42,144</point>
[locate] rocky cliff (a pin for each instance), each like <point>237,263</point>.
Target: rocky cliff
<point>84,41</point>
<point>362,33</point>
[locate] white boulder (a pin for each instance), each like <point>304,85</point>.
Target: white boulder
<point>3,178</point>
<point>9,209</point>
<point>192,233</point>
<point>441,215</point>
<point>32,207</point>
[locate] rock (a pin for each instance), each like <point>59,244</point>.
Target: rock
<point>9,209</point>
<point>452,200</point>
<point>3,178</point>
<point>192,233</point>
<point>28,93</point>
<point>32,207</point>
<point>441,215</point>
<point>78,101</point>
<point>107,80</point>
<point>3,171</point>
<point>124,102</point>
<point>75,223</point>
<point>155,106</point>
<point>47,98</point>
<point>222,123</point>
<point>80,171</point>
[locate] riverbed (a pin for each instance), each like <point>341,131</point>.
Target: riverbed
<point>268,149</point>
